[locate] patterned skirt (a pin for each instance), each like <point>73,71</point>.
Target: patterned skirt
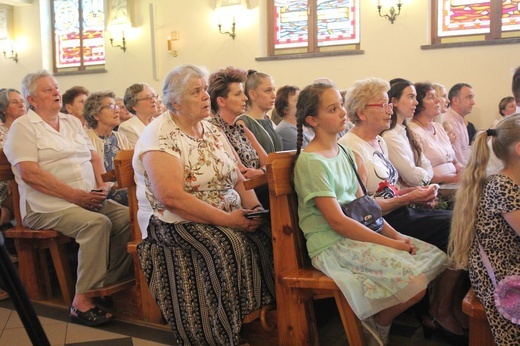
<point>206,278</point>
<point>375,277</point>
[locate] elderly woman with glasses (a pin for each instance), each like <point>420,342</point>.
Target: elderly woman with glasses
<point>207,264</point>
<point>101,114</point>
<point>141,100</point>
<point>369,108</point>
<point>12,106</point>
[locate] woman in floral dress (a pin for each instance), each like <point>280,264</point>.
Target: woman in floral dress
<point>207,265</point>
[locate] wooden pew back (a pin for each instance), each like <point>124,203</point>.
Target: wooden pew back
<point>297,282</point>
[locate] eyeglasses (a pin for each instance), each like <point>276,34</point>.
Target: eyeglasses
<point>149,98</point>
<point>111,106</point>
<point>384,106</point>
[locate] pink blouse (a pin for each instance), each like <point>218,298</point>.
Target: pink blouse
<point>436,147</point>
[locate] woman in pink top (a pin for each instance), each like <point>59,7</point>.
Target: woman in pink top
<point>432,138</point>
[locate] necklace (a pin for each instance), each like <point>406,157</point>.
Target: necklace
<point>429,129</point>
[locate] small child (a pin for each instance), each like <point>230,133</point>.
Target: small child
<point>452,135</point>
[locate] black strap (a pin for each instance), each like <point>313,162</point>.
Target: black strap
<point>355,170</point>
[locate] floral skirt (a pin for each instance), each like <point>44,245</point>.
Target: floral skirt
<point>375,277</point>
<point>206,278</point>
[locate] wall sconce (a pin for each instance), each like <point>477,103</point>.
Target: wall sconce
<point>123,42</point>
<point>232,33</point>
<point>227,9</point>
<point>174,36</point>
<point>13,56</point>
<point>393,15</point>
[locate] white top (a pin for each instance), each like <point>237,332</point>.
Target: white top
<point>65,154</point>
<point>132,129</point>
<point>401,155</point>
<point>436,147</point>
<point>210,168</point>
<point>379,168</point>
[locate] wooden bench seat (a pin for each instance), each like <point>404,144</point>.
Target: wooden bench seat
<point>297,282</point>
<point>479,330</point>
<point>148,309</point>
<point>32,263</point>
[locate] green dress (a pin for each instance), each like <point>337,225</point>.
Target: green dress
<point>264,132</point>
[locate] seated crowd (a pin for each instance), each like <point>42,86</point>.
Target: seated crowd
<point>206,263</point>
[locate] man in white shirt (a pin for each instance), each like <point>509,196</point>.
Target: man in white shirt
<point>462,100</point>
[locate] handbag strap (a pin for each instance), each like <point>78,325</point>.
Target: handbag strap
<point>487,264</point>
<point>355,170</point>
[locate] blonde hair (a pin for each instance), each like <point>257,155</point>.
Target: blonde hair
<point>474,176</point>
<point>360,93</point>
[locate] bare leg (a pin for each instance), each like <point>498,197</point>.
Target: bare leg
<point>82,303</point>
<point>385,317</point>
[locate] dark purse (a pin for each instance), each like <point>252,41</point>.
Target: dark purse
<point>363,209</point>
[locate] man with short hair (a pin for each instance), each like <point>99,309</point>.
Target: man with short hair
<point>462,100</point>
<point>74,101</point>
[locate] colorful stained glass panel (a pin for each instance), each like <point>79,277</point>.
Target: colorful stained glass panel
<point>68,36</point>
<point>463,17</point>
<point>510,15</point>
<point>338,22</point>
<point>291,24</point>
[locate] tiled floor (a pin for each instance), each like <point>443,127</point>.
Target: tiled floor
<point>405,331</point>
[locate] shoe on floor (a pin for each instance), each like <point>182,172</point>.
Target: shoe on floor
<point>372,336</point>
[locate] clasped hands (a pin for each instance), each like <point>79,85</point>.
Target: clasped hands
<point>92,200</point>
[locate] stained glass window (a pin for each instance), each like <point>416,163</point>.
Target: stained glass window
<point>324,22</point>
<point>465,17</point>
<point>510,15</point>
<point>78,33</point>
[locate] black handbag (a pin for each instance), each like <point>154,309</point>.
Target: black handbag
<point>363,209</point>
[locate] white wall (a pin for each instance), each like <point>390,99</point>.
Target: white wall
<point>390,51</point>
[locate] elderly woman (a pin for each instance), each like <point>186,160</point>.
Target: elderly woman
<point>285,106</point>
<point>102,115</point>
<point>432,137</point>
<point>228,101</point>
<point>206,263</point>
<point>261,95</point>
<point>141,100</point>
<point>369,108</point>
<point>12,106</point>
<point>59,176</point>
<point>403,150</point>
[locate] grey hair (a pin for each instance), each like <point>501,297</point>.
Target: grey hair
<point>93,106</point>
<point>4,101</point>
<point>360,93</point>
<point>28,84</point>
<point>131,95</point>
<point>175,83</point>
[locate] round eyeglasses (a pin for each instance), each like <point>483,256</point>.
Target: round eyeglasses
<point>149,98</point>
<point>111,106</point>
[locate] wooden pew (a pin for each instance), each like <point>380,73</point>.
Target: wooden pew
<point>297,282</point>
<point>32,265</point>
<point>148,309</point>
<point>479,330</point>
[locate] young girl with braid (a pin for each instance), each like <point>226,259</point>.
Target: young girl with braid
<point>380,274</point>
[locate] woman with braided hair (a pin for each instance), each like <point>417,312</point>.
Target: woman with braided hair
<point>380,274</point>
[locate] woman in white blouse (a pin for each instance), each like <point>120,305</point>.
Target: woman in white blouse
<point>403,150</point>
<point>432,138</point>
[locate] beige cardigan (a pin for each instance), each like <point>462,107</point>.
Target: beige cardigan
<point>122,142</point>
